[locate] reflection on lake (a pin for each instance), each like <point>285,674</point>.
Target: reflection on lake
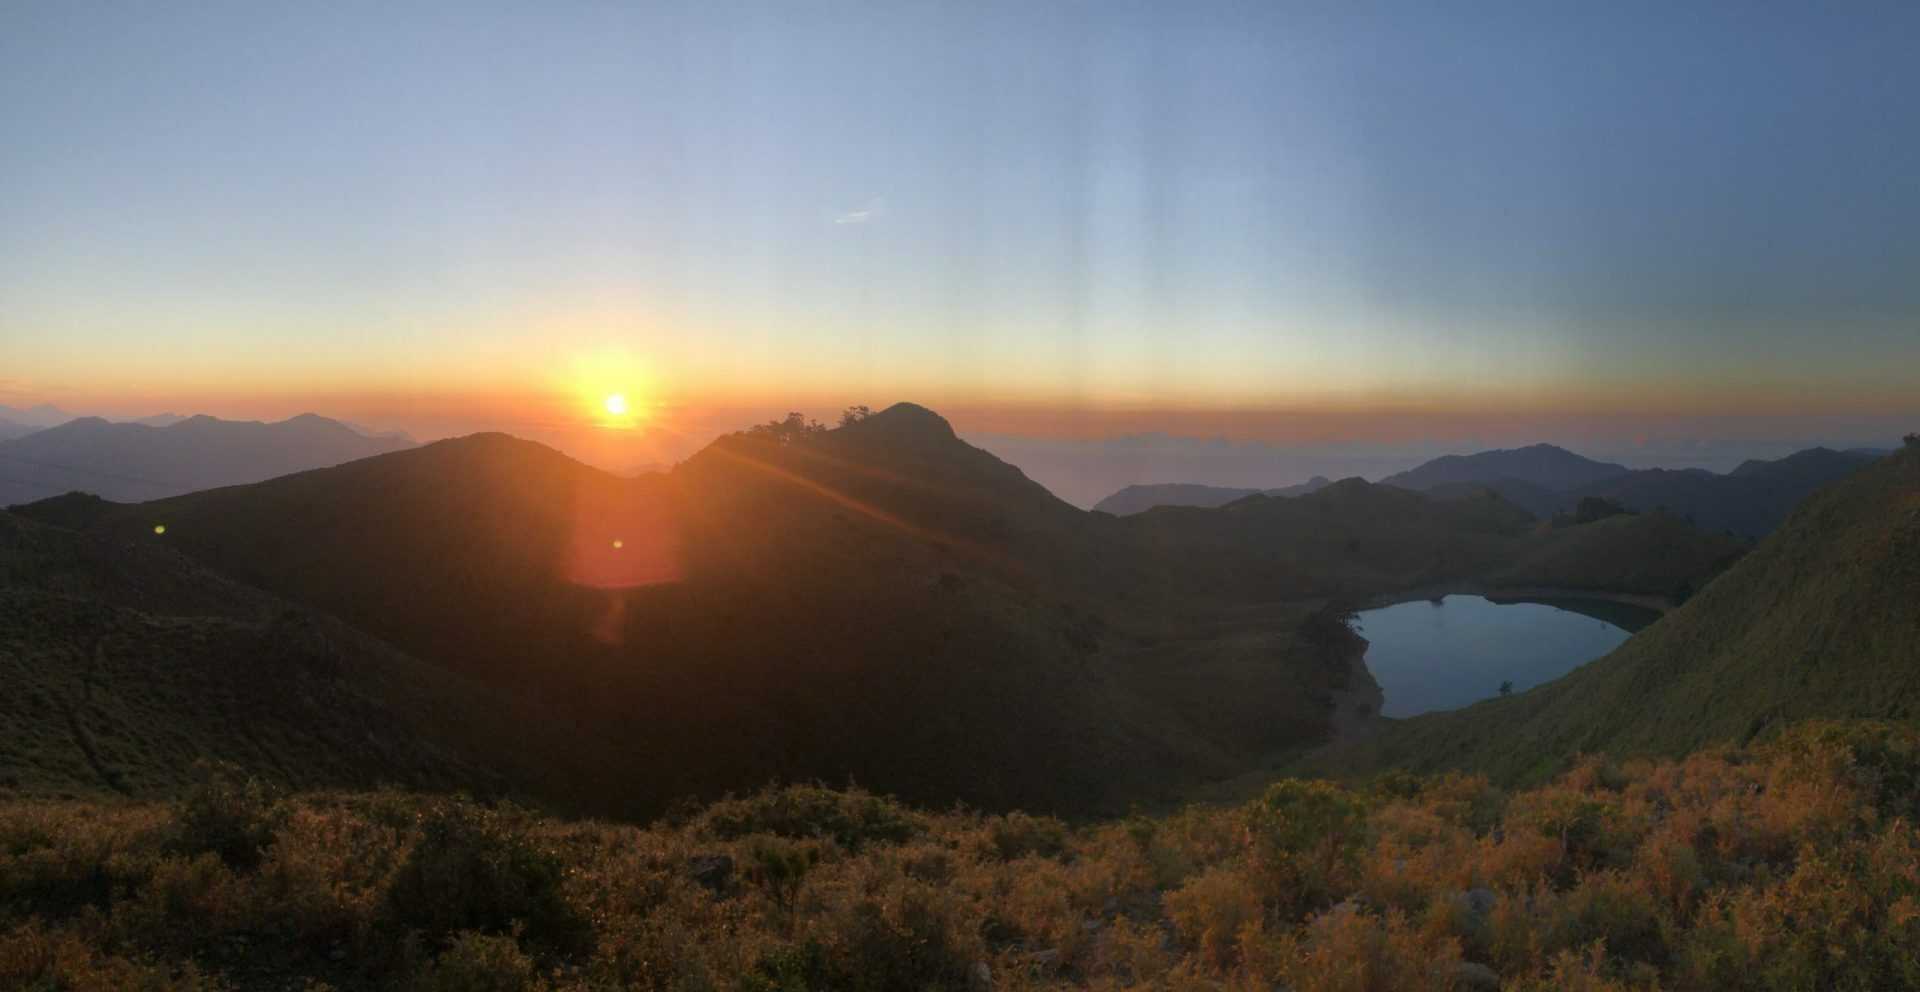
<point>1446,653</point>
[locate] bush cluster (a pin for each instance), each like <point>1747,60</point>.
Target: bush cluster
<point>1792,865</point>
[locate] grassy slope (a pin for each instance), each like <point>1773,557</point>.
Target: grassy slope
<point>1822,619</point>
<point>1653,553</point>
<point>122,665</point>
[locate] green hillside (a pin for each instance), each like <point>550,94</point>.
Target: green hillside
<point>1652,553</point>
<point>122,666</point>
<point>881,602</point>
<point>774,608</point>
<point>1822,619</point>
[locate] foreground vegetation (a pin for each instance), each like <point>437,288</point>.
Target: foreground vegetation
<point>1790,866</point>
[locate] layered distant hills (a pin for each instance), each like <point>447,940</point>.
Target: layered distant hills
<point>1547,480</point>
<point>1541,465</point>
<point>1139,499</point>
<point>171,455</point>
<point>15,422</point>
<point>1749,502</point>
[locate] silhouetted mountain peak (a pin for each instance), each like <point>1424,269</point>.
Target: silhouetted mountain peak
<point>904,422</point>
<point>1345,487</point>
<point>74,510</point>
<point>492,448</point>
<point>1546,465</point>
<point>1810,459</point>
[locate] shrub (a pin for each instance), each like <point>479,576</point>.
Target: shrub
<point>852,819</point>
<point>477,962</point>
<point>473,869</point>
<point>228,813</point>
<point>1305,837</point>
<point>186,903</point>
<point>1212,910</point>
<point>1576,822</point>
<point>59,859</point>
<point>1882,760</point>
<point>1348,951</point>
<point>872,930</point>
<point>1017,835</point>
<point>34,958</point>
<point>778,867</point>
<point>1609,908</point>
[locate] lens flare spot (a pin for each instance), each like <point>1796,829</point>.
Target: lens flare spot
<point>618,544</point>
<point>159,528</point>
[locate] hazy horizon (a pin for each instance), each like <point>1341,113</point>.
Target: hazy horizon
<point>1083,468</point>
<point>1293,225</point>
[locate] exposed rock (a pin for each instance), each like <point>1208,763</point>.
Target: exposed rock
<point>1478,902</point>
<point>1472,975</point>
<point>711,870</point>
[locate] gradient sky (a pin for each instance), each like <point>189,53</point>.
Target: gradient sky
<point>420,213</point>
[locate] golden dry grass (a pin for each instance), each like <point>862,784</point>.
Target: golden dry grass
<point>1791,866</point>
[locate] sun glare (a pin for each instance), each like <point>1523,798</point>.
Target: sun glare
<point>614,390</point>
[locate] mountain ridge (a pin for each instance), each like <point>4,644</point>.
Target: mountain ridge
<point>133,461</point>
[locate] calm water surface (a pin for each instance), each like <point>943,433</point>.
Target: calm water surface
<point>1443,654</point>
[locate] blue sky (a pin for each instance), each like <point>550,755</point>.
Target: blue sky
<point>1328,207</point>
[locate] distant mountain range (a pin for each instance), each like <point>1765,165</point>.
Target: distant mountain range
<point>1749,501</point>
<point>1139,499</point>
<point>18,422</point>
<point>1546,480</point>
<point>1543,465</point>
<point>134,461</point>
<point>36,417</point>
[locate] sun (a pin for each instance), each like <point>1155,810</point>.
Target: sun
<point>616,404</point>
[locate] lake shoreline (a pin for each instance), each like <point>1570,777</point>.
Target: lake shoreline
<point>1429,666</point>
<point>1505,594</point>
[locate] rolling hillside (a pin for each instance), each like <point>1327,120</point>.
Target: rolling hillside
<point>1821,620</point>
<point>780,602</point>
<point>770,609</point>
<point>1139,499</point>
<point>122,665</point>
